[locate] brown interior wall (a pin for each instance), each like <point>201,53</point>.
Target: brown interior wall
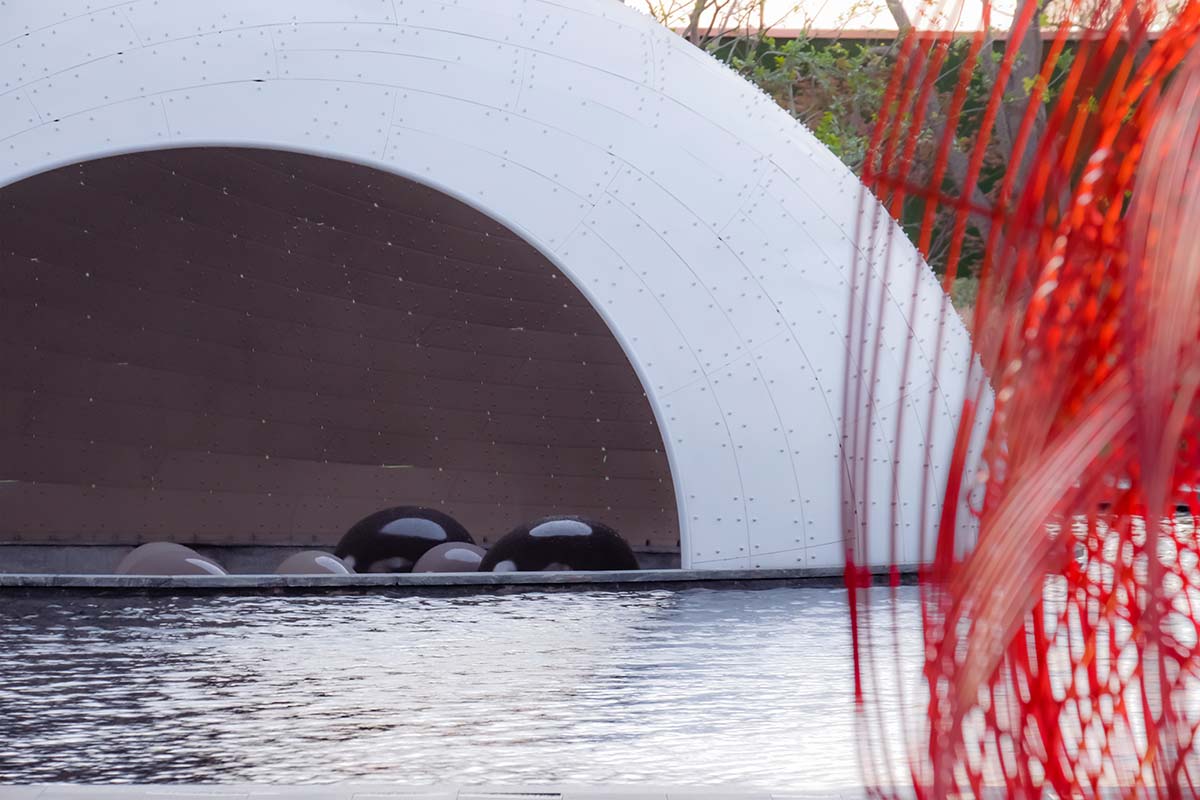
<point>243,347</point>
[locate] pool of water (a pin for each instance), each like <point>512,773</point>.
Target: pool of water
<point>692,687</point>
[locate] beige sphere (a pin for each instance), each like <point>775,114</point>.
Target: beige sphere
<point>313,562</point>
<point>451,557</point>
<point>167,558</point>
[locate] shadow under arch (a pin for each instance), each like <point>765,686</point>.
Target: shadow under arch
<point>567,429</point>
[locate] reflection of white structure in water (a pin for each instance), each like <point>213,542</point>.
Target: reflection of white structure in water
<point>710,230</point>
<point>598,688</point>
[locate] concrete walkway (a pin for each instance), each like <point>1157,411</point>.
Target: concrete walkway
<point>366,791</point>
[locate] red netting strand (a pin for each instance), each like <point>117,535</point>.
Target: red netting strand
<point>1056,649</point>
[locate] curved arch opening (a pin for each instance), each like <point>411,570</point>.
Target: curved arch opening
<point>231,348</point>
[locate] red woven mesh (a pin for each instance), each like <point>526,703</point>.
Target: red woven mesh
<point>1060,588</point>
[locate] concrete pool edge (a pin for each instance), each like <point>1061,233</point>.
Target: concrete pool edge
<point>384,791</point>
<point>461,581</point>
<point>377,791</point>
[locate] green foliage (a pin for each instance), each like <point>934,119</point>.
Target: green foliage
<point>963,292</point>
<point>833,88</point>
<point>837,89</point>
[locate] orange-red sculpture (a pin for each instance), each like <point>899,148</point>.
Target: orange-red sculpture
<point>1059,631</point>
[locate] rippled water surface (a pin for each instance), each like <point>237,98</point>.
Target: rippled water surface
<point>670,687</point>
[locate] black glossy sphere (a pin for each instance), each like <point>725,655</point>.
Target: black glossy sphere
<point>394,539</point>
<point>559,543</point>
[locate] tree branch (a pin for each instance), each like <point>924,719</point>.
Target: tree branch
<point>692,32</point>
<point>957,164</point>
<point>1027,65</point>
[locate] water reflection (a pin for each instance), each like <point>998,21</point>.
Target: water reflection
<point>689,687</point>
